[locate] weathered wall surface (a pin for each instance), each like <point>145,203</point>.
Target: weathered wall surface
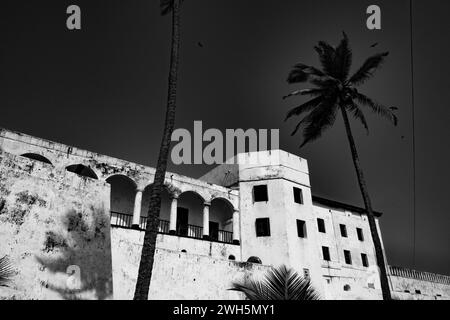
<point>176,275</point>
<point>410,284</point>
<point>49,220</point>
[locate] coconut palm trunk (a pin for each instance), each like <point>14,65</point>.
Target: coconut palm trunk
<point>335,88</point>
<point>149,245</point>
<point>372,224</point>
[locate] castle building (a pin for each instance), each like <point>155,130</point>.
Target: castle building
<point>72,223</point>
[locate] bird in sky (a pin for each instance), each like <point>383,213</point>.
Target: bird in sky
<point>374,45</point>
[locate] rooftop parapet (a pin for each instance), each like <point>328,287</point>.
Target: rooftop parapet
<point>419,275</point>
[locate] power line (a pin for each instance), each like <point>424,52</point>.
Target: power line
<point>413,131</point>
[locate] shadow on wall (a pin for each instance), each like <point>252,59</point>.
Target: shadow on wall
<point>79,256</point>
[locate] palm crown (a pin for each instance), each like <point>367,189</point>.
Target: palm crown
<point>166,6</point>
<point>280,283</point>
<point>334,89</point>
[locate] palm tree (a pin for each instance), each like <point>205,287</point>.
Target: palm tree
<point>148,248</point>
<point>6,271</point>
<point>278,284</point>
<point>333,91</point>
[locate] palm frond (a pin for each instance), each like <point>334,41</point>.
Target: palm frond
<point>325,82</point>
<point>327,56</point>
<point>318,121</point>
<point>278,284</point>
<point>359,115</point>
<point>305,107</point>
<point>166,6</point>
<point>311,92</point>
<point>368,68</point>
<point>343,59</point>
<point>253,290</point>
<point>302,73</point>
<point>6,271</point>
<point>376,107</point>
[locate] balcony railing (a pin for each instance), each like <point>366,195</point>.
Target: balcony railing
<point>124,220</point>
<point>119,219</point>
<point>419,275</point>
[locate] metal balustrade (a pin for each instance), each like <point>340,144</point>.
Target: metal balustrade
<point>124,220</point>
<point>418,275</point>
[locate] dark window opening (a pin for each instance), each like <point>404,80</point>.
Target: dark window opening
<point>260,193</point>
<point>231,257</point>
<point>418,292</point>
<point>360,234</point>
<point>184,251</point>
<point>343,230</point>
<point>364,260</point>
<point>81,170</point>
<point>301,228</point>
<point>298,195</point>
<point>262,227</point>
<point>306,273</point>
<point>348,257</point>
<point>254,260</point>
<point>214,230</point>
<point>407,291</point>
<point>182,221</point>
<point>326,253</point>
<point>321,225</point>
<point>37,157</point>
<point>347,287</point>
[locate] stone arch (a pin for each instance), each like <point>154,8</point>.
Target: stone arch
<point>82,170</point>
<point>122,197</point>
<point>37,157</point>
<point>226,201</point>
<point>169,188</point>
<point>190,206</point>
<point>221,220</point>
<point>166,195</point>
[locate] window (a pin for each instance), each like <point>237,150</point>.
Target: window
<point>360,234</point>
<point>298,195</point>
<point>321,225</point>
<point>364,260</point>
<point>348,257</point>
<point>301,228</point>
<point>343,230</point>
<point>260,193</point>
<point>306,273</point>
<point>262,227</point>
<point>418,292</point>
<point>326,253</point>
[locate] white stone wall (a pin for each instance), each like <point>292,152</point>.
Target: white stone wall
<point>207,274</point>
<point>50,220</point>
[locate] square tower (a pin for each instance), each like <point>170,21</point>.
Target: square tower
<point>278,224</point>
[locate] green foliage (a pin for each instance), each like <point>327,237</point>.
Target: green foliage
<point>278,284</point>
<point>334,88</point>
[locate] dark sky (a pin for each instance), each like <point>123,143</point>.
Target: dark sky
<point>104,89</point>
